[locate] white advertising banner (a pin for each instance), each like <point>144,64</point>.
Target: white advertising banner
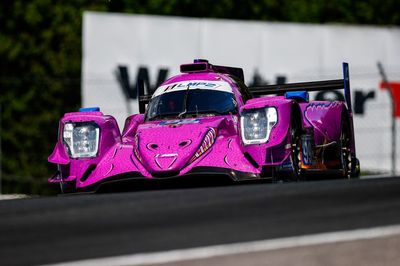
<point>119,48</point>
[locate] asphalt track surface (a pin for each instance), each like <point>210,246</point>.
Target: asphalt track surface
<point>59,229</point>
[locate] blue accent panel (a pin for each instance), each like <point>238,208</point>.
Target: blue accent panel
<point>301,96</point>
<point>90,109</point>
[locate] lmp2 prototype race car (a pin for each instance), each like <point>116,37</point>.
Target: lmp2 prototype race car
<point>207,122</point>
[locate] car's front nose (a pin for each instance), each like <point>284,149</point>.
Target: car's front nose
<point>168,148</point>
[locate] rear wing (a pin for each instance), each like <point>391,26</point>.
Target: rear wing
<point>326,85</point>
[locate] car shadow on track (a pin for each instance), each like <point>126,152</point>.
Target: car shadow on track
<point>172,183</point>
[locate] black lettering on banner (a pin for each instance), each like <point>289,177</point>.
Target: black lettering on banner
<point>130,90</point>
<point>359,100</point>
<point>122,74</point>
<point>143,74</point>
<point>329,96</point>
<point>280,80</point>
<point>258,80</point>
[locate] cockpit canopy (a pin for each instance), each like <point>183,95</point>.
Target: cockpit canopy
<point>191,102</point>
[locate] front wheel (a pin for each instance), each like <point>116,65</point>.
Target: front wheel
<point>67,188</point>
<point>295,142</point>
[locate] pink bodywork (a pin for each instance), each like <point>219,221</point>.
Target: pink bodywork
<point>168,148</point>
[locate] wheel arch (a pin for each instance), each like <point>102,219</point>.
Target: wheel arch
<point>296,114</point>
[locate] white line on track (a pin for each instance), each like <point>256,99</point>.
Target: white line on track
<point>12,196</point>
<point>238,248</point>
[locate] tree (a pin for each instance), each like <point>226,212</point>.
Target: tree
<point>39,81</point>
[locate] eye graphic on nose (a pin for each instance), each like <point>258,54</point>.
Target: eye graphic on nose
<point>152,146</point>
<point>185,143</point>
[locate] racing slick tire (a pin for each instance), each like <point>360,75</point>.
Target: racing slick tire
<point>346,160</point>
<point>295,132</point>
<point>67,188</point>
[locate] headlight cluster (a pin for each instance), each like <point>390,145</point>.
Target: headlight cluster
<point>256,124</point>
<point>81,139</point>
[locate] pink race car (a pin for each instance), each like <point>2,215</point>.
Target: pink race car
<point>207,122</point>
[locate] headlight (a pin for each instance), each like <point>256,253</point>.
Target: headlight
<point>256,124</point>
<point>81,139</point>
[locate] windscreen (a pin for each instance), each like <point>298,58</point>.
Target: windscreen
<point>191,103</point>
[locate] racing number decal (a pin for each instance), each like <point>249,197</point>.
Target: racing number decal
<point>307,149</point>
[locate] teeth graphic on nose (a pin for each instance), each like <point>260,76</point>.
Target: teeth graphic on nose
<point>165,161</point>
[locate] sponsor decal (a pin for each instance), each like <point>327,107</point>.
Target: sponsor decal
<point>193,84</point>
<point>201,84</point>
<point>180,122</point>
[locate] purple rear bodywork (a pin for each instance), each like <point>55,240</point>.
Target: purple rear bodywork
<point>194,146</point>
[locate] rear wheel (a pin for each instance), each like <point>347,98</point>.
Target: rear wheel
<point>345,150</point>
<point>295,157</point>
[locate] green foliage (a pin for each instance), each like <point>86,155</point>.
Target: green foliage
<point>40,61</point>
<point>40,58</point>
<point>309,11</point>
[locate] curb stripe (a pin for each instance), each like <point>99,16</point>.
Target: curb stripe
<point>238,248</point>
